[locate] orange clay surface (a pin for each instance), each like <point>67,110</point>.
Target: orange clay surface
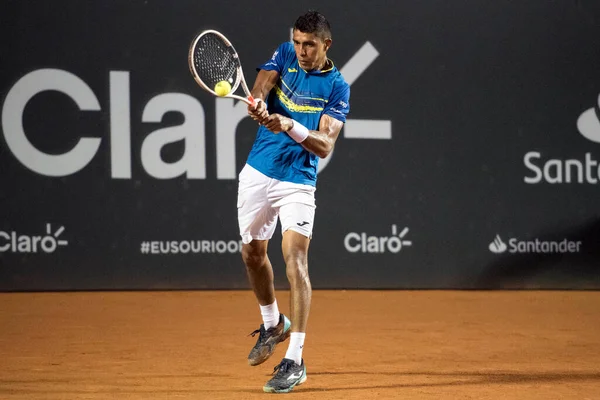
<point>360,345</point>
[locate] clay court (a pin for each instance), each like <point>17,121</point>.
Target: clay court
<point>360,345</point>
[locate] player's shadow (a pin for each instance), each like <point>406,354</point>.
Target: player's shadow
<point>460,379</point>
<point>559,270</point>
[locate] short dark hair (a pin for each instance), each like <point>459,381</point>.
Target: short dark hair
<point>314,22</point>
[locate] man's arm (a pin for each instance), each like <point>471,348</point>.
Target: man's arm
<point>265,80</point>
<point>319,142</point>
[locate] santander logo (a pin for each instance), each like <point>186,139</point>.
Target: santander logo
<point>588,124</point>
<point>497,245</point>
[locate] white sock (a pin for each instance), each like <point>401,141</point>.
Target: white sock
<point>270,315</point>
<point>294,351</point>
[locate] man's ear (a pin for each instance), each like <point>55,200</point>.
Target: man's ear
<point>327,44</point>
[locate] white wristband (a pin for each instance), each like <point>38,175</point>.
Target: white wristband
<point>298,132</point>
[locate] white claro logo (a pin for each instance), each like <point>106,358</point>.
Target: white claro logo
<point>14,242</point>
<point>355,242</point>
<point>192,132</point>
<point>557,171</point>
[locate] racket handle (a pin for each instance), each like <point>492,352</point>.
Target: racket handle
<point>253,101</point>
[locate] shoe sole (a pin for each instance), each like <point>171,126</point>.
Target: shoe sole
<point>269,389</point>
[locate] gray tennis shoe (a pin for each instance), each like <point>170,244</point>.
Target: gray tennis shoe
<point>268,339</point>
<point>288,375</point>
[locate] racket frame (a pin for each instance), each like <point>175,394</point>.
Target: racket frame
<point>249,99</point>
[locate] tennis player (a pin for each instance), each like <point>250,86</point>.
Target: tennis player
<point>303,102</point>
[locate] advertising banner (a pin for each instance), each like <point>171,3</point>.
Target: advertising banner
<point>470,157</point>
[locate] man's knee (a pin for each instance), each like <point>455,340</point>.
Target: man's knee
<point>254,254</point>
<point>296,265</point>
<point>296,257</point>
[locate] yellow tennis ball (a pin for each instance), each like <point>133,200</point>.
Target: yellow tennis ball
<point>222,88</point>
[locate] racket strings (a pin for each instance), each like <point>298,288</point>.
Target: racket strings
<point>215,61</point>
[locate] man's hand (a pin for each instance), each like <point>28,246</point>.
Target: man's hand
<point>258,111</point>
<point>278,123</point>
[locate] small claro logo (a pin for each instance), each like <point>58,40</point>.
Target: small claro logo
<point>14,242</point>
<point>363,243</point>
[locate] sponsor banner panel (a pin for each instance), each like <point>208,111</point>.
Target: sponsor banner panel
<point>470,158</point>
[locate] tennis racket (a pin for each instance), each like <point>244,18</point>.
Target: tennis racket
<point>213,60</point>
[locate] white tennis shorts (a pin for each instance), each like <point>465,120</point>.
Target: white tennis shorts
<point>262,199</point>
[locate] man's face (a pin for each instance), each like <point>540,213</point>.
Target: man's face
<point>310,50</point>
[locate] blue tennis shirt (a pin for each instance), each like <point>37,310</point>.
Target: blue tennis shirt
<point>305,97</point>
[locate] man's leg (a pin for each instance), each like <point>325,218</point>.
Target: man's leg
<point>297,218</point>
<point>259,271</point>
<point>295,254</point>
<point>276,326</point>
<point>292,371</point>
<point>257,219</point>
